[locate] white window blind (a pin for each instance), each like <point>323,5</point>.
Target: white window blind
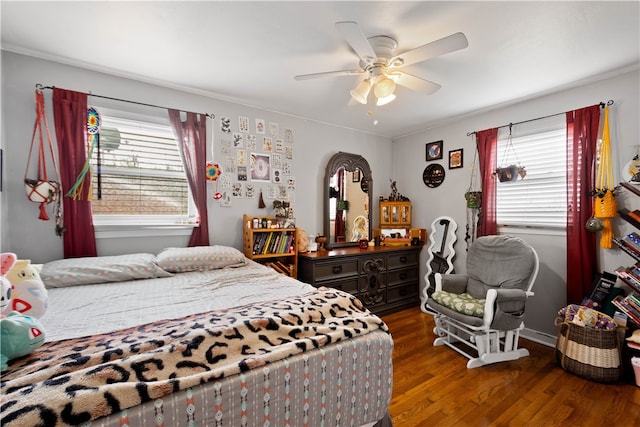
<point>540,199</point>
<point>141,174</point>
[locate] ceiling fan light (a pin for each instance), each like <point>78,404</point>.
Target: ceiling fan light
<point>385,87</point>
<point>361,92</point>
<point>385,100</point>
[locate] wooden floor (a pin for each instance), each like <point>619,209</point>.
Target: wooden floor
<point>433,387</point>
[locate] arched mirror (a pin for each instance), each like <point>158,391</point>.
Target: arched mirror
<point>347,213</point>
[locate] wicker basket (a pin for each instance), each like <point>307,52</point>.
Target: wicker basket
<point>588,352</point>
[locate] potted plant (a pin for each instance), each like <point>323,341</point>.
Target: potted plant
<point>510,173</point>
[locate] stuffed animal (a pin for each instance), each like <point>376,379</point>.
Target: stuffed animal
<point>303,241</point>
<point>7,260</point>
<point>19,336</point>
<point>29,296</point>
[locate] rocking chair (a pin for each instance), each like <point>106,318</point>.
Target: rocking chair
<point>480,314</point>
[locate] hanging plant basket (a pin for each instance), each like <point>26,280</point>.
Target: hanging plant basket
<point>474,199</point>
<point>510,173</point>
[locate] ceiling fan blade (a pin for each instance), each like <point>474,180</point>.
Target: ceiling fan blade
<point>357,40</point>
<point>439,47</point>
<point>415,83</point>
<point>329,74</point>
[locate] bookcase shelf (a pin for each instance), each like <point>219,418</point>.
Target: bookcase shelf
<point>271,246</point>
<point>629,305</point>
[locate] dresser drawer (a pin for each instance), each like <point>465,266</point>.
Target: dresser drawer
<point>398,277</point>
<point>333,270</point>
<point>348,284</point>
<point>402,259</point>
<point>402,292</point>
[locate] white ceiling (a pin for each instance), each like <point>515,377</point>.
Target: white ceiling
<point>249,52</point>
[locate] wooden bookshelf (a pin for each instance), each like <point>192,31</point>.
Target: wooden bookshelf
<point>630,304</point>
<point>270,244</point>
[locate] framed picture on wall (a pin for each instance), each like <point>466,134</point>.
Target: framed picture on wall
<point>434,150</point>
<point>356,176</point>
<point>455,159</point>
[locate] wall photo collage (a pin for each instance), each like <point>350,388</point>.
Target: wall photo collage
<point>257,160</point>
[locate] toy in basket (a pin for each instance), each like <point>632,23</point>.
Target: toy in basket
<point>588,344</point>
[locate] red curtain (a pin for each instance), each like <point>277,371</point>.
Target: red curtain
<point>70,117</point>
<point>487,143</point>
<point>192,143</point>
<point>582,137</point>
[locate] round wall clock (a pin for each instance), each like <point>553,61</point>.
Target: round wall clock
<point>433,175</point>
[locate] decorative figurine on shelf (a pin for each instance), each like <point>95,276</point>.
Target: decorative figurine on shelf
<point>321,241</point>
<point>395,196</point>
<point>394,191</point>
<point>281,208</point>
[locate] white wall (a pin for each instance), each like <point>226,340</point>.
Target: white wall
<point>448,199</point>
<point>29,237</point>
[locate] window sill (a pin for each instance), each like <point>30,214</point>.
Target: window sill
<point>532,229</point>
<point>112,231</point>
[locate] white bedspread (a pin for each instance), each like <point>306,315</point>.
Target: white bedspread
<point>91,309</point>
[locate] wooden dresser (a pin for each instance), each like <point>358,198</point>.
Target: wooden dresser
<point>384,278</point>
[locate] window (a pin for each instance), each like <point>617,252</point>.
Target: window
<point>540,199</point>
<point>142,180</point>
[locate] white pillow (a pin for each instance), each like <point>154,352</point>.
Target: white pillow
<point>93,270</point>
<point>199,258</point>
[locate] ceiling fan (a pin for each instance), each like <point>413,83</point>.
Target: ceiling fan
<point>381,65</point>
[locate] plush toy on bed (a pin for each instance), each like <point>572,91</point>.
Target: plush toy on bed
<point>7,260</point>
<point>19,335</point>
<point>28,296</point>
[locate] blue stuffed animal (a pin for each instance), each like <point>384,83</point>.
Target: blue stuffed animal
<point>19,335</point>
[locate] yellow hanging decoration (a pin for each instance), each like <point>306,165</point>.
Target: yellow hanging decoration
<point>605,206</point>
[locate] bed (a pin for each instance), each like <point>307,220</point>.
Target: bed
<point>198,336</point>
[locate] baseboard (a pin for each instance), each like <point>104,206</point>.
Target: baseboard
<point>539,337</point>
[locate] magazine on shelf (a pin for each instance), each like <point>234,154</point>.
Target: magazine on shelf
<point>603,284</point>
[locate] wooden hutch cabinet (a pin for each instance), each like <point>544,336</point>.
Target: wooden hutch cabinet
<point>395,214</point>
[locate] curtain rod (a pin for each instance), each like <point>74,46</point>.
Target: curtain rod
<point>602,105</point>
<point>41,87</point>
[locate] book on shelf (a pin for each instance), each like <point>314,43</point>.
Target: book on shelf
<point>280,267</point>
<point>603,283</point>
<point>623,305</point>
<point>630,276</point>
<point>261,239</point>
<point>284,267</point>
<point>265,250</point>
<point>634,214</point>
<point>632,240</point>
<point>273,242</point>
<point>633,300</point>
<point>624,244</point>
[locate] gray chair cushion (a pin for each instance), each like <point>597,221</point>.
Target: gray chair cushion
<point>499,262</point>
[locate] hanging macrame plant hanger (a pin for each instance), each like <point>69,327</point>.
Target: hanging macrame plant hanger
<point>605,205</point>
<point>473,197</point>
<point>510,172</point>
<point>41,189</point>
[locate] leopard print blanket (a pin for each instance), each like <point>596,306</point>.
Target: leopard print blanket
<point>77,380</point>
